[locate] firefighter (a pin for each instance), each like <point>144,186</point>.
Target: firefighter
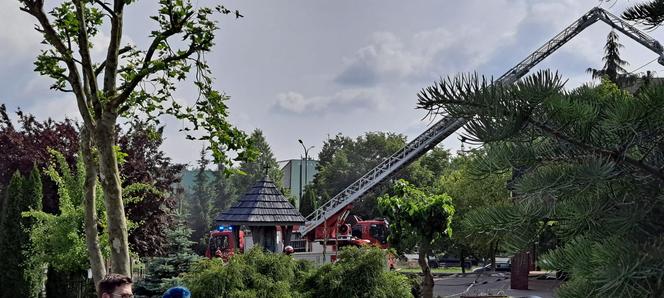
<point>288,250</point>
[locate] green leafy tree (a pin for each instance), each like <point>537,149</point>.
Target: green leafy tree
<point>57,239</point>
<point>343,160</point>
<point>418,218</point>
<point>427,170</point>
<point>163,272</point>
<point>150,178</point>
<point>592,173</point>
<point>18,268</point>
<point>255,169</point>
<point>126,81</point>
<point>471,189</point>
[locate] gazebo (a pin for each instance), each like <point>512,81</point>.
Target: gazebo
<point>262,209</point>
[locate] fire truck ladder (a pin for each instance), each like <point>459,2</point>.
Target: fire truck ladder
<point>448,125</point>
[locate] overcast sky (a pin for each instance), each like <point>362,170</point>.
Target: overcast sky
<point>311,69</point>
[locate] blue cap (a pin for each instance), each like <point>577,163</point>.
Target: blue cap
<point>177,292</point>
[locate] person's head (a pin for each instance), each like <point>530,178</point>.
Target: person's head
<point>177,292</point>
<point>115,286</point>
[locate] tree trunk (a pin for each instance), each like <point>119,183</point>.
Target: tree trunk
<point>427,279</point>
<point>110,180</point>
<point>91,234</point>
<point>494,248</point>
<point>462,260</point>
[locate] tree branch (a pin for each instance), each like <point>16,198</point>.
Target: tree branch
<point>86,63</point>
<point>618,156</point>
<point>112,54</point>
<point>99,69</point>
<point>106,8</point>
<point>36,9</point>
<point>128,88</point>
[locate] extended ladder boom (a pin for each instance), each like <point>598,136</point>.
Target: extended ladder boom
<point>448,125</point>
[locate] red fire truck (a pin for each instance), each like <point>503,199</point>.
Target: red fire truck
<point>221,243</point>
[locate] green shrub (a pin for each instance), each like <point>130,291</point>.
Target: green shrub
<point>254,274</point>
<point>360,272</point>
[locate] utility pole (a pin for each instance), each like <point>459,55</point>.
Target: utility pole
<point>306,163</point>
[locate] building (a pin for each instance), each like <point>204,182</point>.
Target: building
<point>265,214</point>
<point>297,174</point>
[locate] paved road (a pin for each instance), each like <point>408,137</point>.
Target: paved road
<point>494,284</point>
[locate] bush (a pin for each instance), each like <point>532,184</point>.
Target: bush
<point>254,274</point>
<point>360,272</point>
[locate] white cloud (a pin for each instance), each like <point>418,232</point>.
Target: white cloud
<point>18,39</point>
<point>430,53</point>
<point>57,108</point>
<point>343,101</point>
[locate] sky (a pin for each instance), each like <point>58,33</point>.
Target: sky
<point>310,69</point>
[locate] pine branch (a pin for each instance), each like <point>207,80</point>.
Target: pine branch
<point>649,14</point>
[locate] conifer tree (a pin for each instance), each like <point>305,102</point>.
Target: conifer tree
<point>163,272</point>
<point>10,247</point>
<point>225,193</point>
<point>255,169</point>
<point>614,66</point>
<point>200,203</point>
<point>16,269</point>
<point>593,174</point>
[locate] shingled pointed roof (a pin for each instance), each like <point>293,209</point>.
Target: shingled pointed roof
<point>263,205</point>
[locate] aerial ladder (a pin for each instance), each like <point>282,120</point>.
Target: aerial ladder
<point>324,221</point>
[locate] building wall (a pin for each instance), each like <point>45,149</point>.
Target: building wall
<point>294,176</point>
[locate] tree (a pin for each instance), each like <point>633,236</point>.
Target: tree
<point>163,272</point>
<point>309,201</point>
<point>648,13</point>
<point>472,189</point>
<point>132,80</point>
<point>255,169</point>
<point>17,269</point>
<point>592,163</point>
<point>359,272</point>
<point>27,145</point>
<point>225,193</point>
<point>344,160</point>
<point>146,165</point>
<point>57,239</point>
<point>418,218</point>
<point>614,66</point>
<point>200,204</point>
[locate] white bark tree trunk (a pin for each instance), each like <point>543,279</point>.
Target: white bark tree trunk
<point>110,180</point>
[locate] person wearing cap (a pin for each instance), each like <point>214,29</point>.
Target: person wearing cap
<point>177,292</point>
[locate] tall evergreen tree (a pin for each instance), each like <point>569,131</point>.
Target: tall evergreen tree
<point>162,272</point>
<point>200,203</point>
<point>23,194</point>
<point>255,169</point>
<point>614,66</point>
<point>10,246</point>
<point>225,193</point>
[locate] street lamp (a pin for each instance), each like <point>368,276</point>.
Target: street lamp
<point>306,160</point>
